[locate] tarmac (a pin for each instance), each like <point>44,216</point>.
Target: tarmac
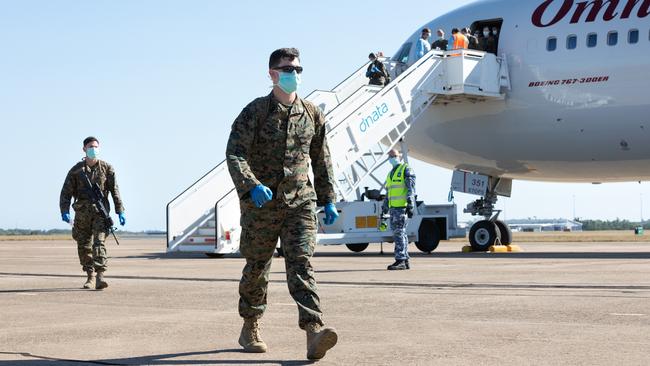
<point>553,304</point>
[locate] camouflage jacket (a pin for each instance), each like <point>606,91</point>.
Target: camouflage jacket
<point>101,173</point>
<point>273,144</point>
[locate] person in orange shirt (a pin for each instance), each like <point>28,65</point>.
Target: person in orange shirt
<point>458,40</point>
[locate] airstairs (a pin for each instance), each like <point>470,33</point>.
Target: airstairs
<point>363,123</point>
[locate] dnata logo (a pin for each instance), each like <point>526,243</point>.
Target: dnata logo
<point>366,123</point>
<point>588,11</point>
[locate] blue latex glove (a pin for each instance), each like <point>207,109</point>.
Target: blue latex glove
<point>261,194</point>
<point>330,214</point>
<point>65,217</point>
<point>122,218</point>
<point>374,69</point>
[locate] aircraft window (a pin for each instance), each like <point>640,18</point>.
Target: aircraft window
<point>592,40</point>
<point>633,36</point>
<point>571,42</point>
<point>612,38</point>
<point>551,44</point>
<point>403,55</point>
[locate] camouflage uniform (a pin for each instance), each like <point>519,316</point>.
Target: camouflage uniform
<point>273,144</point>
<point>399,219</point>
<point>89,231</point>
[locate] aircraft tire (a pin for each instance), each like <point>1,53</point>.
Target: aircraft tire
<point>214,255</point>
<point>483,235</point>
<point>358,247</point>
<point>428,235</point>
<point>506,233</point>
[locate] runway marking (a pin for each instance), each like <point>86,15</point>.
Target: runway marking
<point>623,314</point>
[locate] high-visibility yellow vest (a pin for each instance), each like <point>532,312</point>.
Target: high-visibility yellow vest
<point>396,187</point>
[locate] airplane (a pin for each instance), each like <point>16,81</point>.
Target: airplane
<point>572,109</point>
<point>577,109</point>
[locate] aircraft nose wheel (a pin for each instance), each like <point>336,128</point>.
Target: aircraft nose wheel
<point>483,234</point>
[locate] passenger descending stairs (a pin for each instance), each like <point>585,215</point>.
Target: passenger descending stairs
<point>363,123</point>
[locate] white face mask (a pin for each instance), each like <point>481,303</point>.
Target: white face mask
<point>486,33</point>
<point>495,32</point>
<point>393,161</point>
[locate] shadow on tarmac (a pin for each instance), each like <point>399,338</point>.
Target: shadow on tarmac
<point>42,290</point>
<point>375,284</point>
<point>163,359</point>
<point>527,255</point>
<point>417,254</point>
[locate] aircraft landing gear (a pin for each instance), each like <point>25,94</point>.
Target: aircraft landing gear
<point>491,231</point>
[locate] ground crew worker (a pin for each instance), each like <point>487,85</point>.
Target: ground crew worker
<point>89,229</point>
<point>423,46</point>
<point>377,71</point>
<point>271,145</point>
<point>399,203</point>
<point>458,40</point>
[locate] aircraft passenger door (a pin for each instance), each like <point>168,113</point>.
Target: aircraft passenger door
<point>490,23</point>
<point>401,59</point>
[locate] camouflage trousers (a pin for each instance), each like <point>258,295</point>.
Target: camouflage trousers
<point>89,233</point>
<point>296,228</point>
<point>398,223</point>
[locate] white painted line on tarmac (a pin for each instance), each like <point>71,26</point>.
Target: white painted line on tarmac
<point>622,314</point>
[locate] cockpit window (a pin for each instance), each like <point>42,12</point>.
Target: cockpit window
<point>403,54</point>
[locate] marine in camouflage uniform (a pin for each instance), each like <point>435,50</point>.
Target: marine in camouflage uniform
<point>273,144</point>
<point>399,216</point>
<point>89,230</point>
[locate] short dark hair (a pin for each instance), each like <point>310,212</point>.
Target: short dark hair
<point>426,30</point>
<point>372,55</point>
<point>90,139</point>
<point>279,54</point>
<point>455,30</point>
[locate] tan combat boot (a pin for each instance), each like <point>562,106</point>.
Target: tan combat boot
<point>90,281</point>
<point>100,284</point>
<point>319,340</point>
<point>250,337</point>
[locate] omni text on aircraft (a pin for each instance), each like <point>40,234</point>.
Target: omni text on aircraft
<point>589,11</point>
<point>373,117</point>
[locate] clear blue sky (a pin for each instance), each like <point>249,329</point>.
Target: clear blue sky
<point>160,82</point>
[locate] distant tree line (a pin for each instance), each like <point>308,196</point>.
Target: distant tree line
<point>34,232</point>
<point>9,232</point>
<point>594,225</point>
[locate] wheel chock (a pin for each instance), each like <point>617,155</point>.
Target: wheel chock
<point>498,249</point>
<point>512,248</point>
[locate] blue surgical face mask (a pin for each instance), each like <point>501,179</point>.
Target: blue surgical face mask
<point>289,81</point>
<point>393,161</point>
<point>92,152</point>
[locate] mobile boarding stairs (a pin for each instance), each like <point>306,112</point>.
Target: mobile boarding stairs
<point>363,123</point>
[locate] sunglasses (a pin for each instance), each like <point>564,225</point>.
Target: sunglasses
<point>289,69</point>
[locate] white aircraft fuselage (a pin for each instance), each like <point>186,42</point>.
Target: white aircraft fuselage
<point>572,115</point>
